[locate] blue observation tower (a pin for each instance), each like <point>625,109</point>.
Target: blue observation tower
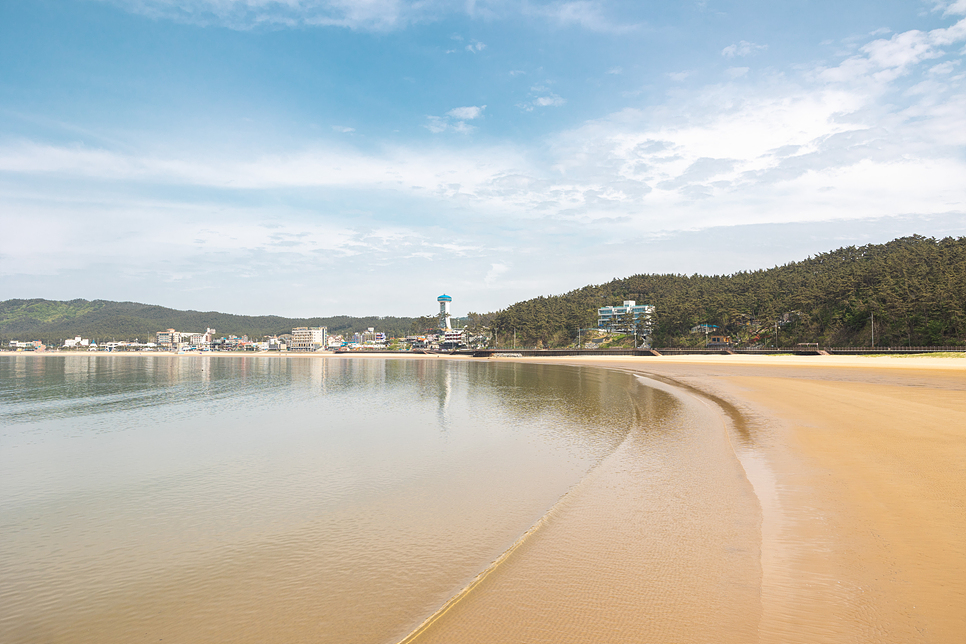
<point>444,302</point>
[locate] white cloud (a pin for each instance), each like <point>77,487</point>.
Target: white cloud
<point>581,13</point>
<point>944,68</point>
<point>542,96</point>
<point>736,72</point>
<point>496,270</point>
<point>455,120</point>
<point>343,129</point>
<point>950,7</point>
<point>467,113</point>
<point>679,76</point>
<point>550,100</point>
<point>743,48</point>
<point>475,47</point>
<point>882,61</point>
<point>615,70</point>
<point>817,146</point>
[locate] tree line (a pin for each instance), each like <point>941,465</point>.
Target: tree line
<point>913,288</point>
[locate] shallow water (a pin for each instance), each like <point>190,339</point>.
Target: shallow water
<point>272,499</point>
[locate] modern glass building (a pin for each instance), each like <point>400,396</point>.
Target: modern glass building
<point>615,318</point>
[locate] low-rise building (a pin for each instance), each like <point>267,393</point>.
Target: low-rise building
<point>33,345</point>
<point>453,339</point>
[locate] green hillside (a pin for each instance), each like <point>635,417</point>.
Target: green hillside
<point>53,321</point>
<point>914,286</point>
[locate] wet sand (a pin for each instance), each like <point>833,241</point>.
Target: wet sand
<point>858,471</point>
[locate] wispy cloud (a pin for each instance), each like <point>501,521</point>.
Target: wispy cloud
<point>541,96</point>
<point>373,15</point>
<point>743,48</point>
<point>950,7</point>
<point>455,120</point>
<point>467,113</point>
<point>475,47</point>
<point>343,129</point>
<point>581,13</point>
<point>363,15</point>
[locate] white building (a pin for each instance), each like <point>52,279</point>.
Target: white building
<point>306,338</point>
<point>169,338</point>
<point>616,318</point>
<point>172,339</point>
<point>76,342</point>
<point>202,339</point>
<point>453,339</point>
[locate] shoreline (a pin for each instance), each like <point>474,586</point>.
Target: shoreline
<point>950,360</point>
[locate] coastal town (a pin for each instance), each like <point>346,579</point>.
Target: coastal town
<point>629,318</point>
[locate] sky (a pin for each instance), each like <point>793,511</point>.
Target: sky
<point>328,157</point>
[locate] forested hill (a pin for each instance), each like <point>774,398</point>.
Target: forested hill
<point>914,286</point>
<point>53,321</point>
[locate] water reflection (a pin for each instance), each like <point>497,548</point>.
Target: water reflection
<point>275,499</point>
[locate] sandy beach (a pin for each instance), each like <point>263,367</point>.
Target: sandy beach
<point>858,467</point>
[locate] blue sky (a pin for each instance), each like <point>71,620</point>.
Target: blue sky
<point>322,157</point>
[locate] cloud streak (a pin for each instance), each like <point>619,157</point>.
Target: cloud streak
<point>372,15</point>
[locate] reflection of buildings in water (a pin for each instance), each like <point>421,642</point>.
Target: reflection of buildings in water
<point>20,366</point>
<point>370,372</point>
<point>444,392</point>
<point>317,372</point>
<point>206,370</point>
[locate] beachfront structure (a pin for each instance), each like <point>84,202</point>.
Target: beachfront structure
<point>453,339</point>
<point>172,339</point>
<point>76,342</point>
<point>444,302</point>
<point>201,339</point>
<point>704,328</point>
<point>308,338</point>
<point>370,337</point>
<point>32,345</point>
<point>626,317</point>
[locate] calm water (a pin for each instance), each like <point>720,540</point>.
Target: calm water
<point>276,499</point>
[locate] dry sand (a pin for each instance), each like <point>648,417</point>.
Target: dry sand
<point>858,467</point>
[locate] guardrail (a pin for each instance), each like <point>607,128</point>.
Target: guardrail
<point>802,351</point>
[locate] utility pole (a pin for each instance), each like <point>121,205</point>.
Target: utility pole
<point>514,338</point>
<point>873,329</point>
<point>776,334</point>
<point>578,337</point>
